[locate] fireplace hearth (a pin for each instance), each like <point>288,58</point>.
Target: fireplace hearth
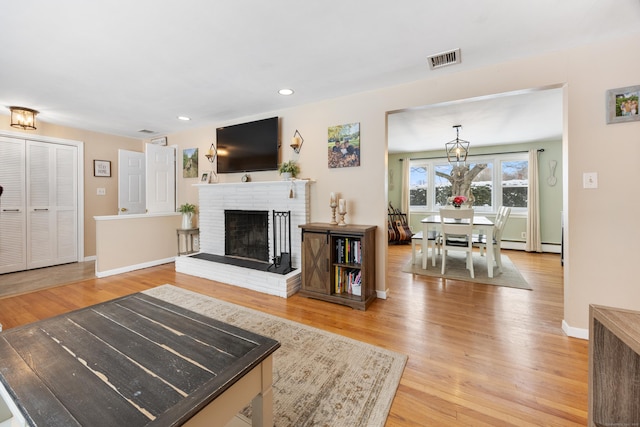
<point>214,200</point>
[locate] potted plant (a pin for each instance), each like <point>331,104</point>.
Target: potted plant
<point>187,211</point>
<point>289,170</point>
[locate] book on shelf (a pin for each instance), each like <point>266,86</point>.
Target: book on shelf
<point>348,280</point>
<point>348,250</point>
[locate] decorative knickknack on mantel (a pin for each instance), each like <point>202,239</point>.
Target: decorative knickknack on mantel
<point>289,170</point>
<point>187,211</point>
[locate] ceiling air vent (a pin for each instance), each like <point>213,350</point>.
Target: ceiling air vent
<point>443,59</point>
<point>146,131</point>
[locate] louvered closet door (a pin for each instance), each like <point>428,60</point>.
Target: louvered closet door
<point>51,204</point>
<point>13,248</point>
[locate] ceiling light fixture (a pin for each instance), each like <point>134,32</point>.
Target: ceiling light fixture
<point>457,149</point>
<point>286,92</point>
<point>23,118</point>
<point>184,118</point>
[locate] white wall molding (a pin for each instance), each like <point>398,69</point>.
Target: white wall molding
<point>575,332</point>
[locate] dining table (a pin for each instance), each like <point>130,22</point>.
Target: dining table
<point>483,224</point>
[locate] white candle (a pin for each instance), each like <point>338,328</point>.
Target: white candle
<point>332,201</point>
<point>210,152</point>
<point>342,203</point>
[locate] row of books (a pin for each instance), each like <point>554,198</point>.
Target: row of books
<point>348,250</point>
<point>348,280</point>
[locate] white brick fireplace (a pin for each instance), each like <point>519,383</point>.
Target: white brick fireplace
<point>214,199</point>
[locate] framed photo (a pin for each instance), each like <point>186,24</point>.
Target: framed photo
<point>190,163</point>
<point>205,177</point>
<point>102,168</point>
<point>622,104</point>
<point>160,141</point>
<point>344,145</point>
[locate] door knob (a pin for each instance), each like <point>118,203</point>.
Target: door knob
<point>123,209</point>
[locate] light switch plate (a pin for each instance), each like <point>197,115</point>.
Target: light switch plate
<point>101,192</point>
<point>590,180</point>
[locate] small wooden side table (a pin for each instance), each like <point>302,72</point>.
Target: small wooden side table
<point>189,234</point>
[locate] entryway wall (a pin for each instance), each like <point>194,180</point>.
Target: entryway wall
<point>41,216</point>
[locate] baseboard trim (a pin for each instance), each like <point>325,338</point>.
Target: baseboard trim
<point>575,332</point>
<point>382,294</point>
<point>128,268</point>
<point>519,246</point>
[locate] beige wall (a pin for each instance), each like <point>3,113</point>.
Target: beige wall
<point>127,242</point>
<point>601,253</point>
<point>98,146</point>
<point>599,259</point>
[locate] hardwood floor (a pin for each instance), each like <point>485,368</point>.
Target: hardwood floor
<point>479,355</point>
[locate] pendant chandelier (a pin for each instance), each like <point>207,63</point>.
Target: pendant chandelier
<point>457,149</point>
<point>23,118</point>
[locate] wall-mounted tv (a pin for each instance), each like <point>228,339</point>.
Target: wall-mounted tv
<point>248,147</point>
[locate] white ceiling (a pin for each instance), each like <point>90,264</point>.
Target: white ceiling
<point>119,66</point>
<point>500,119</point>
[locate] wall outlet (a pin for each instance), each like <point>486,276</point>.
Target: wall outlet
<point>196,243</point>
<point>523,234</point>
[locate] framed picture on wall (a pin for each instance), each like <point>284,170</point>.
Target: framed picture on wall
<point>190,163</point>
<point>622,104</point>
<point>102,168</point>
<point>344,145</point>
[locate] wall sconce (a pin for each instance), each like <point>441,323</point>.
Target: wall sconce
<point>212,155</point>
<point>23,118</point>
<point>296,142</point>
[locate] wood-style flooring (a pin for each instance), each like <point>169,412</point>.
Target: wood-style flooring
<point>479,355</point>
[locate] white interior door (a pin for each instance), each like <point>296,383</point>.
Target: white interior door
<point>51,171</point>
<point>131,182</point>
<point>13,248</point>
<point>161,178</point>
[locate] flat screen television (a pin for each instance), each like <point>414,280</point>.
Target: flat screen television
<point>248,147</point>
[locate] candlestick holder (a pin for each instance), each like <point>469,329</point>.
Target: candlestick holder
<point>342,223</point>
<point>333,213</point>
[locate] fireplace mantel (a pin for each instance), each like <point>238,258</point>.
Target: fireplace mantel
<point>214,199</point>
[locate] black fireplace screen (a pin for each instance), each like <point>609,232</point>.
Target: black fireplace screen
<point>247,234</point>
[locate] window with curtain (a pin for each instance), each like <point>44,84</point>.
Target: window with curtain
<point>503,182</point>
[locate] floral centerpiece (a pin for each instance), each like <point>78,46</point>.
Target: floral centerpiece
<point>458,201</point>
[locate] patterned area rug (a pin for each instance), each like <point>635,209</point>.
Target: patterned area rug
<point>319,378</point>
<point>456,269</point>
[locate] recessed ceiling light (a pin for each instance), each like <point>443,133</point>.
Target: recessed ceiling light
<point>286,92</point>
<point>185,118</point>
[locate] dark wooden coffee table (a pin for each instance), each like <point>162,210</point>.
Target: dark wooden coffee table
<point>136,361</point>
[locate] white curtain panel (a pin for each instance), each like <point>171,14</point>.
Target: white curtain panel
<point>404,201</point>
<point>533,243</point>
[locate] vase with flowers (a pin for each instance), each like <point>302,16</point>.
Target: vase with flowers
<point>458,201</point>
<point>187,211</point>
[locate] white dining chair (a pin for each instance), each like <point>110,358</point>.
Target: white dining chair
<point>480,241</point>
<point>457,234</point>
<point>431,242</point>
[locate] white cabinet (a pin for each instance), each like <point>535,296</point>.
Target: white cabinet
<point>38,222</point>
